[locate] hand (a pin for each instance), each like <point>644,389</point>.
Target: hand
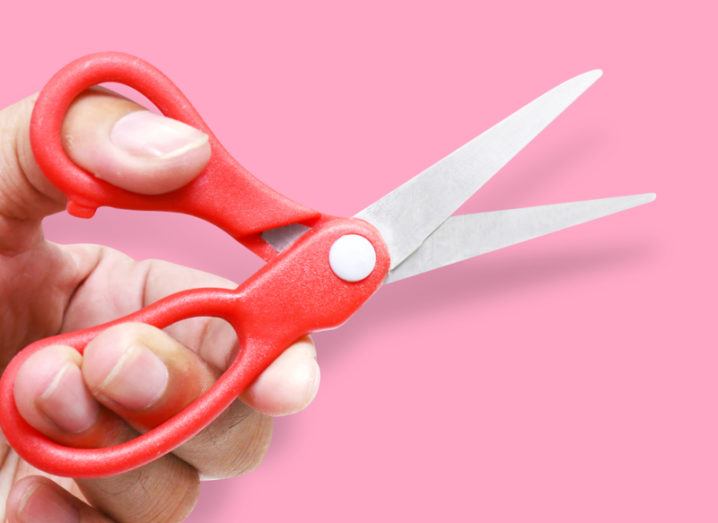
<point>134,376</point>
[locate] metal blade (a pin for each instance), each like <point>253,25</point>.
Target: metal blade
<point>466,236</point>
<point>282,237</point>
<point>411,212</point>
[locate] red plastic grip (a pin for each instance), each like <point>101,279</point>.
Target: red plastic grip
<point>292,295</point>
<point>225,193</point>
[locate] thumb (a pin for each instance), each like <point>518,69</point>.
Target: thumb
<point>112,137</point>
<point>133,148</point>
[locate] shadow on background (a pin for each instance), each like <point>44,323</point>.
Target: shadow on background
<point>481,282</point>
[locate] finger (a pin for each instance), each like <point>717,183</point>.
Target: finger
<point>164,491</point>
<point>145,376</point>
<point>132,148</point>
<point>35,499</point>
<point>52,396</point>
<point>108,135</point>
<point>288,385</point>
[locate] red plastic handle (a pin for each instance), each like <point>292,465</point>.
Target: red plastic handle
<point>225,193</point>
<point>292,295</point>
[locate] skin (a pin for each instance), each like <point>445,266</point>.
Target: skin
<point>47,288</point>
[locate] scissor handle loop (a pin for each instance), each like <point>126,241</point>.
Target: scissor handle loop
<point>225,193</point>
<point>292,295</point>
<point>59,459</point>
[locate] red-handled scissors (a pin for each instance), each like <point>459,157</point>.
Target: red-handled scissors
<point>320,269</point>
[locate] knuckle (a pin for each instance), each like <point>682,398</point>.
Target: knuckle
<point>234,444</point>
<point>176,507</point>
<point>251,452</point>
<point>164,491</point>
<point>122,334</point>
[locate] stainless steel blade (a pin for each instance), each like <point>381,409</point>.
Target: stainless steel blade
<point>282,237</point>
<point>466,236</point>
<point>411,212</point>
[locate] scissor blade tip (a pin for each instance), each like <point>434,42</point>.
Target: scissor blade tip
<point>645,198</point>
<point>592,75</point>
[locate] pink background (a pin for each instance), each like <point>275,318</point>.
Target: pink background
<point>569,379</point>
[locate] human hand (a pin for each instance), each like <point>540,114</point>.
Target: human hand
<point>132,377</point>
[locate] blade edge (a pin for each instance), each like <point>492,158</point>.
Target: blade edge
<point>466,236</point>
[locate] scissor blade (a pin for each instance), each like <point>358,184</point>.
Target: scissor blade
<point>465,236</point>
<point>411,212</point>
<point>282,237</point>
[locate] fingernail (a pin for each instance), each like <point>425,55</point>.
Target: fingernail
<point>42,504</point>
<point>138,378</point>
<point>67,402</point>
<point>146,134</point>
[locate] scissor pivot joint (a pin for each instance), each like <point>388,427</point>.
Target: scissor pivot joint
<point>352,257</point>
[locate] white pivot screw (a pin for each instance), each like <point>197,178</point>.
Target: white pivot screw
<point>352,257</point>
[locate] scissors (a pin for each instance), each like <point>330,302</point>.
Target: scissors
<point>319,270</point>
